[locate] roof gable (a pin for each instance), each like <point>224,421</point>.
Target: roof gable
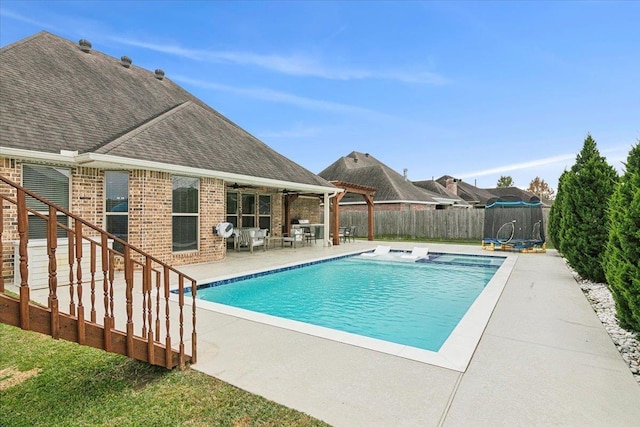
<point>54,96</point>
<point>364,169</point>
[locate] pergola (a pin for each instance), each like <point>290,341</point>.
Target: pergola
<point>366,192</point>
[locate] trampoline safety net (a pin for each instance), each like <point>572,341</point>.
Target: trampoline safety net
<point>511,219</point>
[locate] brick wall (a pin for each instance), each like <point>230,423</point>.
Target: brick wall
<point>277,214</point>
<point>150,206</point>
<point>10,169</point>
<point>87,196</point>
<point>212,212</point>
<point>307,208</point>
<point>150,212</point>
<point>150,219</point>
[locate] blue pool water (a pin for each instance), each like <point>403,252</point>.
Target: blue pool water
<point>414,304</point>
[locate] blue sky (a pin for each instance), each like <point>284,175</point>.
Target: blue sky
<point>470,89</point>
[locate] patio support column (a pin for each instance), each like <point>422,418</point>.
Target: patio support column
<point>336,221</point>
<point>326,221</point>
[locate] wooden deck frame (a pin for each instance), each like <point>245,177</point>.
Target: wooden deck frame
<point>94,331</point>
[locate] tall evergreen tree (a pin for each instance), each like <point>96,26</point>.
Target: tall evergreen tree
<point>622,254</point>
<point>555,214</point>
<point>584,230</point>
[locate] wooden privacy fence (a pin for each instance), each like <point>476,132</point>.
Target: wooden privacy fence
<point>448,224</point>
<point>116,301</point>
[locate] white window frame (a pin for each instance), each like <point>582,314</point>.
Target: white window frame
<point>108,214</point>
<point>186,214</point>
<point>67,172</point>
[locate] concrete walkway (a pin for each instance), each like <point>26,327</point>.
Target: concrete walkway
<point>544,359</point>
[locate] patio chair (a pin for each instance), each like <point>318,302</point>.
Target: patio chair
<point>342,233</point>
<point>310,234</point>
<point>258,237</point>
<point>380,250</point>
<point>250,238</point>
<point>297,235</point>
<point>350,234</point>
<point>416,254</point>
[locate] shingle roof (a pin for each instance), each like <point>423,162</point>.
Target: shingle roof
<point>468,192</point>
<point>53,97</point>
<point>364,169</point>
<point>480,196</point>
<point>435,187</point>
<point>516,192</point>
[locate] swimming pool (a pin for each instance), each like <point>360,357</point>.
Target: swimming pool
<point>405,313</point>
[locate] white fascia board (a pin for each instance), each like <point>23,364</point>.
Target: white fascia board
<point>107,161</point>
<point>448,200</point>
<point>39,156</point>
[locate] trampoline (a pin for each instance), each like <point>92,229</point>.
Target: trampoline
<point>514,224</point>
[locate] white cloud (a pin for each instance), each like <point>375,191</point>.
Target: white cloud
<point>16,16</point>
<point>295,132</point>
<point>518,166</point>
<point>297,65</point>
<point>286,98</point>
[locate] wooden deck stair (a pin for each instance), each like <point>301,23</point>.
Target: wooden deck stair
<point>137,314</point>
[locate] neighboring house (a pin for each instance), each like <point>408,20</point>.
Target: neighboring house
<point>394,192</point>
<point>134,153</point>
<point>478,197</point>
<point>444,196</point>
<point>518,193</point>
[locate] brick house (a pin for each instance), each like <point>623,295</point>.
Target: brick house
<point>134,153</point>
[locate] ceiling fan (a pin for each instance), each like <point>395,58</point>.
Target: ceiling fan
<point>237,186</point>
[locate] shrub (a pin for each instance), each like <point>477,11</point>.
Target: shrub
<point>583,227</point>
<point>622,253</point>
<point>555,214</point>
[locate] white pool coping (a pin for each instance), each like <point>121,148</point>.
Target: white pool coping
<point>455,353</point>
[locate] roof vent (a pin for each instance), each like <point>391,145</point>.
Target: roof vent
<point>159,74</point>
<point>366,154</point>
<point>125,61</point>
<point>85,45</point>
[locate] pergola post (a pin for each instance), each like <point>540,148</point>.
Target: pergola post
<point>336,220</point>
<point>366,192</point>
<point>369,200</point>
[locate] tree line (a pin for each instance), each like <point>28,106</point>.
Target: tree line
<point>537,186</point>
<point>595,224</point>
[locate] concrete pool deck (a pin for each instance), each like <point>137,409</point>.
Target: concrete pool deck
<point>544,357</point>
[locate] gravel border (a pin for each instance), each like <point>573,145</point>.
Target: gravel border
<point>603,304</point>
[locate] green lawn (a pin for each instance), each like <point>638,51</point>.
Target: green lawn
<point>73,385</point>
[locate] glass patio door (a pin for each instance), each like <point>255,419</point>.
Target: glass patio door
<point>248,210</point>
